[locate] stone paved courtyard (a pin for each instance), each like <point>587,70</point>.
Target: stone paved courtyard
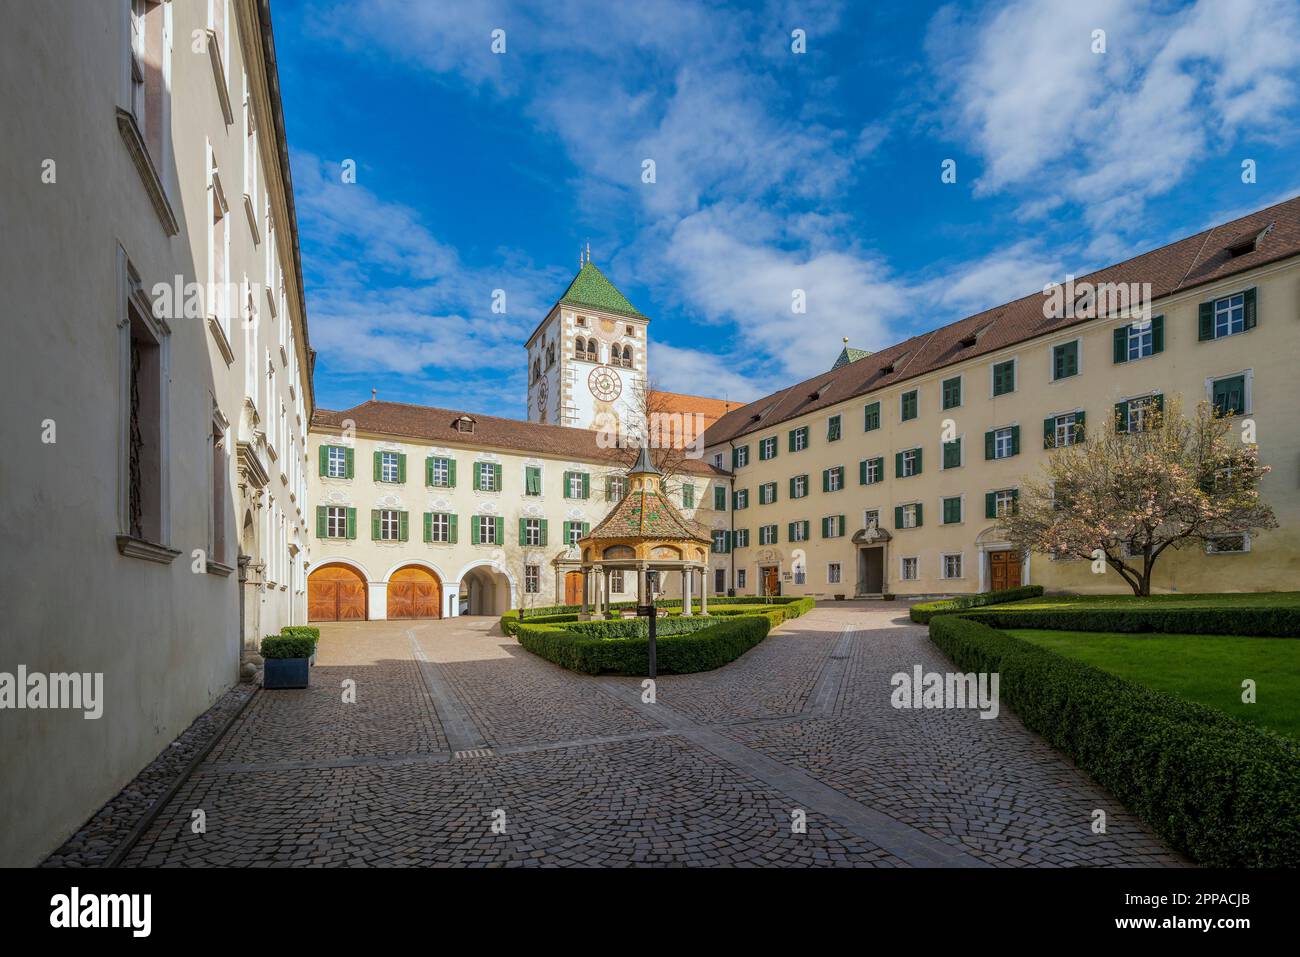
<point>455,726</point>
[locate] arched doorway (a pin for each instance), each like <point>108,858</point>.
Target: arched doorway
<point>484,591</point>
<point>414,592</point>
<point>336,593</point>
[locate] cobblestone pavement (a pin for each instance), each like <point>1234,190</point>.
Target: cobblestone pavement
<point>464,749</point>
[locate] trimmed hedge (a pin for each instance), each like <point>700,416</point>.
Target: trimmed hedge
<point>287,646</point>
<point>714,644</point>
<point>1266,622</point>
<point>924,611</point>
<point>1225,793</point>
<point>548,614</point>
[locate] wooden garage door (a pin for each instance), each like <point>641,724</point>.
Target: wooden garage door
<point>414,592</point>
<point>336,593</point>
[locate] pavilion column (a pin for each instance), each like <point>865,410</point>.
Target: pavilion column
<point>704,591</point>
<point>600,597</point>
<point>687,575</point>
<point>642,593</point>
<point>586,587</point>
<point>604,580</point>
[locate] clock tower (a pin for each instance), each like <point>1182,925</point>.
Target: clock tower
<point>588,359</point>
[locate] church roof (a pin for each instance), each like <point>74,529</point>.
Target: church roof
<point>591,289</point>
<point>849,354</point>
<point>441,426</point>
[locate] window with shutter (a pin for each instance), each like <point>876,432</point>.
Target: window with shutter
<point>1065,360</point>
<point>1004,377</point>
<point>1229,395</point>
<point>952,454</point>
<point>871,417</point>
<point>952,511</point>
<point>952,392</point>
<point>908,405</point>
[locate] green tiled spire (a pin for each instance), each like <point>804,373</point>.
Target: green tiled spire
<point>848,354</point>
<point>591,289</point>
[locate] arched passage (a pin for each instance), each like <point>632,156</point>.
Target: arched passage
<point>414,592</point>
<point>336,592</point>
<point>485,591</point>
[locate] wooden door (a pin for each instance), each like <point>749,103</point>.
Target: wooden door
<point>873,571</point>
<point>573,588</point>
<point>336,593</point>
<point>1004,569</point>
<point>771,582</point>
<point>414,592</point>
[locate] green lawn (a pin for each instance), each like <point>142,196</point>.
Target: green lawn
<point>1208,669</point>
<point>1259,599</point>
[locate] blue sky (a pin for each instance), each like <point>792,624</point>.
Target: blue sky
<point>775,171</point>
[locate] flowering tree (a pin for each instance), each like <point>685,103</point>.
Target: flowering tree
<point>1140,486</point>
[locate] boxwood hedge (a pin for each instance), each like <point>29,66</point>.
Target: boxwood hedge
<point>924,611</point>
<point>611,647</point>
<point>1225,793</point>
<point>550,614</point>
<point>287,646</point>
<point>1268,622</point>
<point>301,631</point>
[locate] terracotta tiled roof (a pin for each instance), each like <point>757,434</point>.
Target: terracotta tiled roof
<point>643,514</point>
<point>1194,261</point>
<point>437,425</point>
<point>710,409</point>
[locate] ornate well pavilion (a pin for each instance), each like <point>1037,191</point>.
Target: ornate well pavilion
<point>643,533</point>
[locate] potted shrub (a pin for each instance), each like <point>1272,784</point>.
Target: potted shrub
<point>303,631</point>
<point>285,660</point>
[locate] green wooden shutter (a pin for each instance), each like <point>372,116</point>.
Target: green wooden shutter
<point>401,468</point>
<point>501,530</point>
<point>1248,309</point>
<point>826,480</point>
<point>379,465</point>
<point>478,472</point>
<point>792,478</point>
<point>428,471</point>
<point>918,462</point>
<point>534,480</point>
<point>791,436</point>
<point>898,465</point>
<point>451,473</point>
<point>566,533</point>
<point>1121,416</point>
<point>322,522</point>
<point>523,531</point>
<point>543,533</point>
<point>349,470</point>
<point>1015,501</point>
<point>352,523</point>
<point>428,526</point>
<point>1205,328</point>
<point>898,516</point>
<point>790,530</point>
<point>826,529</point>
<point>324,459</point>
<point>1120,338</point>
<point>1080,432</point>
<point>1015,440</point>
<point>451,529</point>
<point>474,529</point>
<point>862,472</point>
<point>1160,402</point>
<point>496,476</point>
<point>1157,334</point>
<point>586,528</point>
<point>918,515</point>
<point>1049,433</point>
<point>586,485</point>
<point>403,526</point>
<point>990,504</point>
<point>374,524</point>
<point>988,444</point>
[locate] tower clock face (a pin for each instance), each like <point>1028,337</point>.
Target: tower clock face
<point>605,384</point>
<point>541,396</point>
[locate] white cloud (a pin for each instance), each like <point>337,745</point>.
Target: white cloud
<point>1050,118</point>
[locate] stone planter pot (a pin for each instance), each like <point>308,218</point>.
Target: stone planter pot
<point>285,673</point>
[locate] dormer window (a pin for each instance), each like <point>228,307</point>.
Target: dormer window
<point>465,423</point>
<point>1247,243</point>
